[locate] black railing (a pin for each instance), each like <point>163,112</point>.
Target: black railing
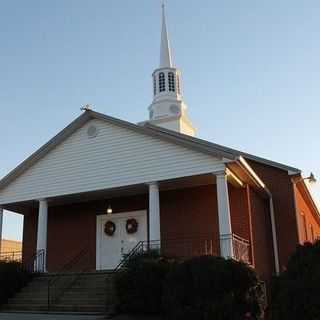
<point>67,276</point>
<point>181,248</point>
<point>188,247</point>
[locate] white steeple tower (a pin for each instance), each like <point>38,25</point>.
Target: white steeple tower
<point>168,109</point>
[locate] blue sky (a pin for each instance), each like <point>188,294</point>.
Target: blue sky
<point>251,72</point>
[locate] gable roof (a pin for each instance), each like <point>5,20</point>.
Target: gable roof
<point>148,129</point>
<point>213,146</point>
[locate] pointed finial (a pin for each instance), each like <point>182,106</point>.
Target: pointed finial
<point>87,107</point>
<point>165,51</point>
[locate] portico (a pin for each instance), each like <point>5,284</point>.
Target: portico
<point>153,198</point>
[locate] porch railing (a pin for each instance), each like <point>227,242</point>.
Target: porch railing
<point>241,249</point>
<point>188,247</point>
<point>240,246</point>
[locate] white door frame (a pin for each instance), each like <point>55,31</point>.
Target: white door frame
<point>99,229</point>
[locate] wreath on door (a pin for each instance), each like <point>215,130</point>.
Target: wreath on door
<point>109,228</point>
<point>132,226</point>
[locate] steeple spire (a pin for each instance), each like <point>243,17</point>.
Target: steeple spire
<point>165,50</point>
<point>168,109</point>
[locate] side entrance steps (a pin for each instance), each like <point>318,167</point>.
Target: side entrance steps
<point>91,292</point>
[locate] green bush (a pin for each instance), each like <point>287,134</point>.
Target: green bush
<point>12,279</point>
<point>206,288</point>
<point>295,293</point>
<point>139,287</point>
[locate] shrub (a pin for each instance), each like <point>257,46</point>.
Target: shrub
<point>139,287</point>
<point>295,293</point>
<point>213,288</point>
<point>12,279</point>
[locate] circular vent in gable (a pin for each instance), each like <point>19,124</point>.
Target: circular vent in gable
<point>92,131</point>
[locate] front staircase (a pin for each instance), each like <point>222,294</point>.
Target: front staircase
<point>86,293</point>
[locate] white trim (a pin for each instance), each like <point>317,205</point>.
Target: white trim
<point>234,177</point>
<point>251,171</point>
<point>154,212</point>
<point>42,229</point>
<point>99,230</point>
<point>224,216</point>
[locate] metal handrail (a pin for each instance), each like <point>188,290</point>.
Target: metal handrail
<point>53,294</point>
<point>126,257</point>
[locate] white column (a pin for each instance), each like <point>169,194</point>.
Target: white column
<point>154,212</point>
<point>1,222</point>
<point>42,228</point>
<point>225,229</point>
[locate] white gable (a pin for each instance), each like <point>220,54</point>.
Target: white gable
<point>116,157</point>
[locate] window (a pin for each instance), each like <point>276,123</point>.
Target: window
<point>154,85</point>
<point>172,86</point>
<point>162,83</point>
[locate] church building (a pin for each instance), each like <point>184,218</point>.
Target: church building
<point>103,187</point>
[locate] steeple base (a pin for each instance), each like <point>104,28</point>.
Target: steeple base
<point>179,124</point>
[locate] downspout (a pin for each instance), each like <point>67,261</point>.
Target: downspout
<point>274,232</point>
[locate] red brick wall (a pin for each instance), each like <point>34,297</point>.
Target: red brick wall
<point>189,225</point>
<point>279,183</point>
<point>190,215</point>
<point>29,241</point>
<point>187,214</point>
<point>239,212</point>
<point>72,229</point>
<point>262,236</point>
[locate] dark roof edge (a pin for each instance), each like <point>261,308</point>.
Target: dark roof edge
<point>230,151</point>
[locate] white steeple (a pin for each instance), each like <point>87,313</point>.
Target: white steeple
<point>165,50</point>
<point>168,109</point>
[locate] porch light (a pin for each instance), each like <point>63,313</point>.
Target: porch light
<point>109,209</point>
<point>311,178</point>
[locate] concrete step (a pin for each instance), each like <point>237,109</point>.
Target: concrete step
<point>87,293</point>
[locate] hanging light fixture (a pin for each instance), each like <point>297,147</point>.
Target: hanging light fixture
<point>109,209</point>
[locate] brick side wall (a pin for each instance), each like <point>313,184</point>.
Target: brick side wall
<point>262,236</point>
<point>309,227</point>
<point>279,183</point>
<point>190,214</point>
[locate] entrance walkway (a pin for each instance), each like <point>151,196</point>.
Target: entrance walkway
<point>38,316</point>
